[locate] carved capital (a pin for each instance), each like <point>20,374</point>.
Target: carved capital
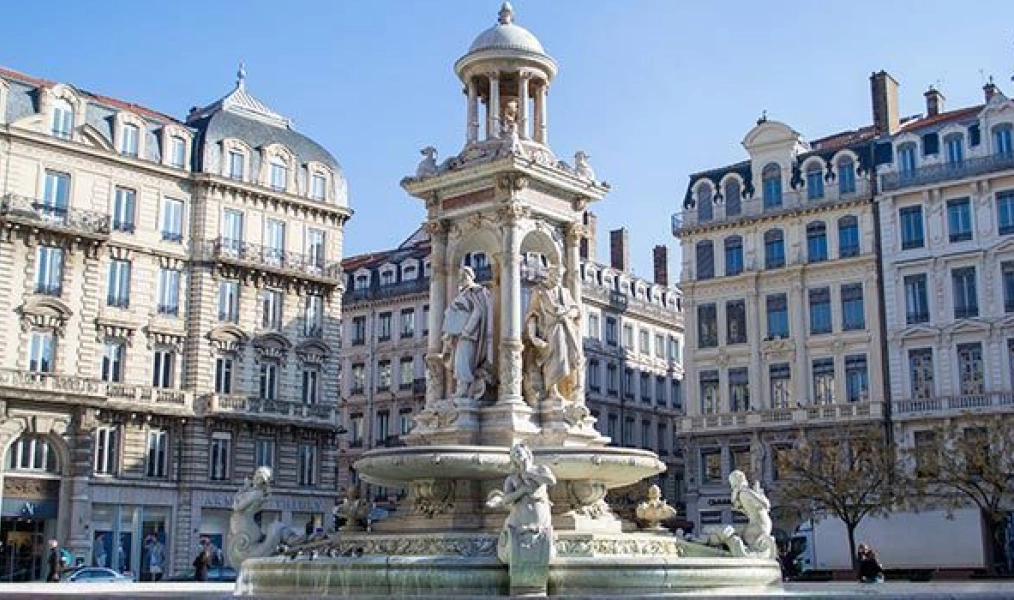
<point>511,182</point>
<point>575,232</point>
<point>509,214</point>
<point>436,227</point>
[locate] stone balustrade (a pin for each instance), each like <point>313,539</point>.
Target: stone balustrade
<point>914,408</point>
<point>225,404</point>
<point>66,387</point>
<point>782,417</point>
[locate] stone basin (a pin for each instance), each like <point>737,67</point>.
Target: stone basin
<point>613,467</point>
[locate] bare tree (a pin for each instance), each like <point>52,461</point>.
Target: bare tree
<point>966,462</point>
<point>845,473</point>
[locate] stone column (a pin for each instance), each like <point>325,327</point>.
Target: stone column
<point>523,122</point>
<point>435,372</point>
<point>575,232</point>
<point>510,306</point>
<point>541,133</point>
<point>493,109</point>
<point>472,126</point>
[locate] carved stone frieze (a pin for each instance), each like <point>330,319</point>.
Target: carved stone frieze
<point>431,497</point>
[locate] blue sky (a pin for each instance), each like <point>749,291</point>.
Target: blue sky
<point>653,90</point>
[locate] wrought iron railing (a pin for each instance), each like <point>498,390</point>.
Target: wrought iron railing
<point>224,248</point>
<point>930,174</point>
<point>377,292</point>
<point>21,208</point>
<point>98,390</point>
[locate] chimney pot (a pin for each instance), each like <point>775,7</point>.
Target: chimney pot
<point>619,251</point>
<point>884,93</point>
<point>661,260</point>
<point>934,102</point>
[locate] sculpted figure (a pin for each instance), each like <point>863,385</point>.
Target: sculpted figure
<point>528,530</point>
<point>428,165</point>
<point>553,326</point>
<point>466,336</point>
<point>757,540</point>
<point>581,166</point>
<point>246,540</point>
<point>655,509</point>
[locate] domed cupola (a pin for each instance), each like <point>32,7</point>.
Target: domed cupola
<point>508,72</point>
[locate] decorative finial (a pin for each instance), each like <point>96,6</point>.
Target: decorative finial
<point>763,118</point>
<point>241,76</point>
<point>506,14</point>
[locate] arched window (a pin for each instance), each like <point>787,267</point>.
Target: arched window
<point>771,179</point>
<point>705,259</point>
<point>816,242</point>
<point>733,255</point>
<point>774,249</point>
<point>1002,139</point>
<point>848,236</point>
<point>63,118</point>
<point>814,181</point>
<point>31,453</point>
<point>846,176</point>
<point>705,203</point>
<point>955,146</point>
<point>732,198</point>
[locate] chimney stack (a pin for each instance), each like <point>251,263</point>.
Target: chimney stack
<point>989,90</point>
<point>884,92</point>
<point>587,247</point>
<point>934,102</point>
<point>661,258</point>
<point>619,251</point>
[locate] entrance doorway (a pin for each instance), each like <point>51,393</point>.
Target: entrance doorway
<point>23,549</point>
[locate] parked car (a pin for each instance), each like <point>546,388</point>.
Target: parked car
<point>97,575</point>
<point>219,574</point>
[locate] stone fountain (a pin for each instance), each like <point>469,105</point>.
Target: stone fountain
<point>505,471</point>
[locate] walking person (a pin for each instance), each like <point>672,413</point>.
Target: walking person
<point>870,570</point>
<point>54,561</point>
<point>202,562</point>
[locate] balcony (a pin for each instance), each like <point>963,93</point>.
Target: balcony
<point>38,386</point>
<point>247,255</point>
<point>391,290</point>
<point>942,406</point>
<point>141,394</point>
<point>18,211</point>
<point>782,417</point>
<point>321,415</point>
<point>937,173</point>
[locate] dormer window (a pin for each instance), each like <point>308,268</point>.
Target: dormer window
<point>177,152</point>
<point>954,144</point>
<point>129,140</point>
<point>814,181</point>
<point>236,161</point>
<point>906,159</point>
<point>846,176</point>
<point>409,272</point>
<point>63,119</point>
<point>318,187</point>
<point>705,203</point>
<point>279,175</point>
<point>771,179</point>
<point>362,281</point>
<point>387,277</point>
<point>1002,140</point>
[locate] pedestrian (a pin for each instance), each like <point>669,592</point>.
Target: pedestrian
<point>202,562</point>
<point>870,570</point>
<point>54,561</point>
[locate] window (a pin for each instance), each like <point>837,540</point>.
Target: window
<point>707,326</point>
<point>916,299</point>
<point>774,249</point>
<point>387,277</point>
<point>709,392</point>
<point>823,381</point>
<point>659,345</point>
<point>848,237</point>
<point>311,385</point>
<point>425,320</point>
<point>264,453</point>
<point>820,310</point>
<point>279,175</point>
<point>358,378</point>
<point>628,431</point>
<point>705,259</point>
<point>733,255</point>
<point>593,375</point>
<point>318,187</point>
<point>735,321</point>
<point>816,242</point>
<point>228,301</point>
<point>129,141</point>
<point>49,271</point>
<point>593,325</point>
<point>269,375</point>
<point>113,356</point>
<point>63,119</point>
<point>780,376</point>
<point>232,231</point>
<point>157,455</point>
<point>660,390</point>
<point>739,389</point>
<point>814,181</point>
<point>223,375</point>
<point>771,178</point>
<point>612,379</point>
<point>406,370</point>
<point>163,362</point>
<point>1002,140</point>
<point>733,198</point>
<point>177,152</point>
<point>41,352</point>
<point>853,316</point>
<point>857,379</point>
<point>274,241</point>
<point>271,309</point>
<point>662,436</point>
<point>645,434</point>
<point>628,336</point>
<point>405,418</point>
<point>356,430</point>
<point>911,227</point>
<point>118,286</point>
<point>383,375</point>
<point>384,326</point>
<point>236,163</point>
<point>920,366</point>
<point>954,144</point>
<point>307,465</point>
<point>1007,270</point>
<point>124,206</point>
<point>172,220</point>
<point>740,459</point>
<point>55,197</point>
<point>711,466</point>
<point>1005,211</point>
<point>846,176</point>
<point>644,341</point>
<point>959,220</point>
<point>383,426</point>
<point>966,303</point>
<point>927,450</point>
<point>778,316</point>
<point>906,160</point>
<point>313,316</point>
<point>970,369</point>
<point>611,331</point>
<point>645,387</point>
<point>106,450</point>
<point>705,203</point>
<point>674,348</point>
<point>358,331</point>
<point>315,247</point>
<point>31,453</point>
<point>220,454</point>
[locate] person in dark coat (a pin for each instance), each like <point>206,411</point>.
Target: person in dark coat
<point>870,570</point>
<point>54,561</point>
<point>202,562</point>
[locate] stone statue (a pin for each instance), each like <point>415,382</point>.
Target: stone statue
<point>553,327</point>
<point>526,540</point>
<point>428,165</point>
<point>757,541</point>
<point>581,167</point>
<point>246,539</point>
<point>466,337</point>
<point>354,510</point>
<point>655,509</point>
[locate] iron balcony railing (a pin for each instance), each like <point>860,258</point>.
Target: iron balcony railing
<point>34,382</point>
<point>60,218</point>
<point>378,292</point>
<point>937,173</point>
<point>325,414</point>
<point>257,255</point>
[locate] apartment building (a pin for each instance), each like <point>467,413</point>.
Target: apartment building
<point>169,321</point>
